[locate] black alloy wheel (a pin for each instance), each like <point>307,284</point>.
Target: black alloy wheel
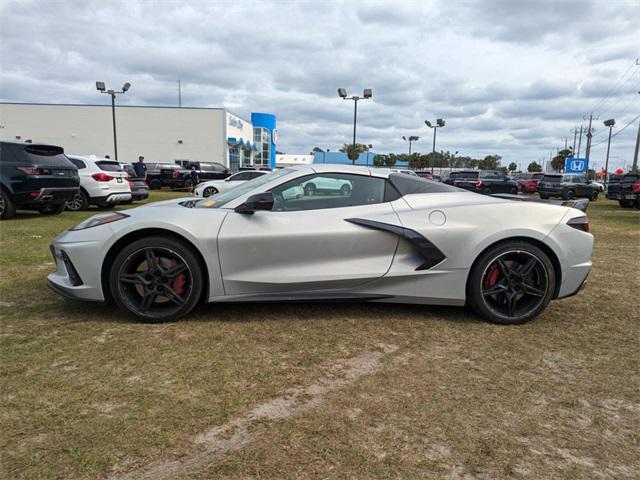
<point>157,279</point>
<point>511,283</point>
<point>569,195</point>
<point>207,192</point>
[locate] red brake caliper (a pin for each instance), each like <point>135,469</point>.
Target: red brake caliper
<point>178,282</point>
<point>492,277</point>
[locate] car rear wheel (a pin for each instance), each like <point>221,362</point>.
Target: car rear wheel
<point>568,195</point>
<point>52,209</point>
<point>157,279</point>
<point>514,191</point>
<point>155,184</point>
<point>594,196</point>
<point>511,283</point>
<point>7,208</point>
<point>207,192</point>
<point>79,202</point>
<point>486,191</point>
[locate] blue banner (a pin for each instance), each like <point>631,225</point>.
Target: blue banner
<point>576,165</point>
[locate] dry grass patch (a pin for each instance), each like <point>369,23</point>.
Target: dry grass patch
<point>87,393</point>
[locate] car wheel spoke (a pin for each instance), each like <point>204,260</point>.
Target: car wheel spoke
<point>147,300</point>
<point>527,267</point>
<point>152,260</point>
<point>173,296</point>
<point>531,290</point>
<point>174,271</point>
<point>498,288</point>
<point>511,304</point>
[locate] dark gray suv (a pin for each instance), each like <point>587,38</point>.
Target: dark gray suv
<point>567,186</point>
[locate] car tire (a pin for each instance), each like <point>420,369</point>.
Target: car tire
<point>155,185</point>
<point>7,207</point>
<point>514,191</point>
<point>156,295</point>
<point>78,203</point>
<point>568,195</point>
<point>498,291</point>
<point>543,196</point>
<point>52,208</point>
<point>486,191</point>
<point>345,190</point>
<point>207,192</point>
<point>594,196</point>
<point>309,189</point>
<point>626,203</point>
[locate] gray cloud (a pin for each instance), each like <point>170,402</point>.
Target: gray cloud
<point>509,77</point>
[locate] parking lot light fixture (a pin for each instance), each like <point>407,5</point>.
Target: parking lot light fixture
<point>608,123</point>
<point>366,94</point>
<point>439,124</point>
<point>411,139</point>
<point>101,87</point>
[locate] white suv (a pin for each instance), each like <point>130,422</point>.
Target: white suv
<point>103,182</point>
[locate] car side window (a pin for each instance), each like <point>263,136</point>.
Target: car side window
<point>328,190</point>
<point>240,177</point>
<point>78,163</point>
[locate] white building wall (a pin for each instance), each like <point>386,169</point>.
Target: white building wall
<point>154,132</point>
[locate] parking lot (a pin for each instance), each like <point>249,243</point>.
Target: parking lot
<point>305,390</point>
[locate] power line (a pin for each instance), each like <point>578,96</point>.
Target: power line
<point>619,131</point>
<point>614,87</point>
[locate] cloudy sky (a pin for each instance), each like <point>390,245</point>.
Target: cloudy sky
<point>509,77</point>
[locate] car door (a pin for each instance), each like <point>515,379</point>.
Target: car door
<point>306,243</point>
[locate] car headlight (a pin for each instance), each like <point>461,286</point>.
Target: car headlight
<point>101,219</point>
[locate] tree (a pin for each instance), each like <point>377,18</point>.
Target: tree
<point>490,162</point>
<point>390,160</point>
<point>557,162</point>
<point>513,167</point>
<point>353,151</point>
<point>379,160</point>
<point>534,167</point>
<point>316,150</point>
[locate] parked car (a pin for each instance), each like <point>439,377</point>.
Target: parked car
<point>326,185</point>
<point>424,174</point>
<point>485,181</point>
<point>35,177</point>
<point>167,175</point>
<point>405,171</point>
<point>450,177</point>
<point>213,187</point>
<point>384,242</point>
<point>626,189</point>
<point>139,187</point>
<point>528,182</point>
<point>103,182</point>
<point>598,185</point>
<point>566,186</point>
<point>206,170</point>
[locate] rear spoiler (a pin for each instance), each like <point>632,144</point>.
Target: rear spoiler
<point>579,203</point>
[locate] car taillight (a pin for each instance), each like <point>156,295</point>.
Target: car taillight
<point>478,183</point>
<point>635,187</point>
<point>579,223</point>
<point>130,183</point>
<point>102,177</point>
<point>31,171</point>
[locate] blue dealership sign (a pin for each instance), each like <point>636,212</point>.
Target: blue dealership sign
<point>576,165</point>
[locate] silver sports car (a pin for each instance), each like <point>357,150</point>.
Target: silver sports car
<point>390,238</point>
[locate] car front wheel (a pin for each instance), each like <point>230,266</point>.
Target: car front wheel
<point>207,192</point>
<point>157,279</point>
<point>594,196</point>
<point>79,202</point>
<point>511,283</point>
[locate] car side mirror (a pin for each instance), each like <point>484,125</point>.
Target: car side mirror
<point>259,201</point>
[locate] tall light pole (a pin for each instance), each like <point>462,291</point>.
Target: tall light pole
<point>102,89</point>
<point>411,139</point>
<point>368,148</point>
<point>608,123</point>
<point>367,93</point>
<point>439,124</point>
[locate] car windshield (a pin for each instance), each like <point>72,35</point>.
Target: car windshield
<point>109,166</point>
<point>221,199</point>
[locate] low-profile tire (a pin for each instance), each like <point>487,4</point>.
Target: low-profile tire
<point>156,279</point>
<point>155,185</point>
<point>594,196</point>
<point>52,208</point>
<point>511,283</point>
<point>626,203</point>
<point>7,207</point>
<point>207,192</point>
<point>78,203</point>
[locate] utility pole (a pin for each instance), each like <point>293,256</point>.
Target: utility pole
<point>589,135</point>
<point>575,134</point>
<point>634,168</point>
<point>579,142</point>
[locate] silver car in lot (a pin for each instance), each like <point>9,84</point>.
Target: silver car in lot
<point>391,238</point>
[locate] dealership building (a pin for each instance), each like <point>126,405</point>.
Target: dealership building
<point>160,134</point>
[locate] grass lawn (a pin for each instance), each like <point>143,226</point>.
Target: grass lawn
<point>344,390</point>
